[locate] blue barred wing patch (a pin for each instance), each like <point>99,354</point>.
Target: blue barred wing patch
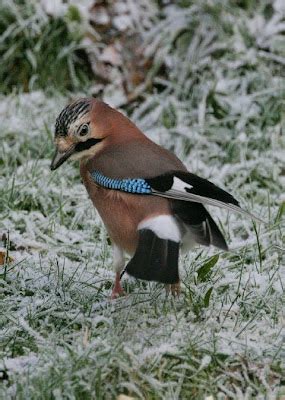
<point>129,185</point>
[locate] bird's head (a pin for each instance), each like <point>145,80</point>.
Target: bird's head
<point>76,135</point>
<point>86,127</point>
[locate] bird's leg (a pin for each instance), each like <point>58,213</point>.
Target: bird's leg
<point>119,262</point>
<point>117,288</point>
<point>174,288</point>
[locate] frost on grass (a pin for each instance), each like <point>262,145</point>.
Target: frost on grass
<point>220,111</point>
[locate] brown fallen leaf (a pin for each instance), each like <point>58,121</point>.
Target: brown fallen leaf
<point>4,259</point>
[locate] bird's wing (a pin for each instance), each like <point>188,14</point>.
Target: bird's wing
<point>163,172</point>
<point>188,187</point>
<point>199,224</point>
<point>177,186</point>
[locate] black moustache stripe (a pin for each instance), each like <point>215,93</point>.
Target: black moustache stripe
<point>86,145</point>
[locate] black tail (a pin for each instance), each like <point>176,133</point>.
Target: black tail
<point>155,259</point>
<point>200,223</point>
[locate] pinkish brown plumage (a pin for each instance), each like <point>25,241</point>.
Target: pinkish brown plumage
<point>148,201</point>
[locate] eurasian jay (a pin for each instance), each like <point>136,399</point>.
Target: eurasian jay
<point>151,205</point>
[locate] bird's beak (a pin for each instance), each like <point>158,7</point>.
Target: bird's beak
<point>60,157</point>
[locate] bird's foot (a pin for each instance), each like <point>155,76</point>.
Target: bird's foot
<point>174,288</point>
<point>117,292</point>
<point>117,289</point>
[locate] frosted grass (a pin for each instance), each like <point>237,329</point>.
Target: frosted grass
<point>58,327</point>
<point>221,112</point>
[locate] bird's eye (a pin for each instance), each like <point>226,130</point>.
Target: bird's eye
<point>84,129</point>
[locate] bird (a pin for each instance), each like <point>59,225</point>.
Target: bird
<point>151,205</point>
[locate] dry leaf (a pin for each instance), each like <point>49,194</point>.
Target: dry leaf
<point>125,397</point>
<point>4,259</point>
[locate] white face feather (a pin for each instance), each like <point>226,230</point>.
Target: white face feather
<point>164,226</point>
<point>84,154</point>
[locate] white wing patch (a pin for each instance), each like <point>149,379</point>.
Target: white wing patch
<point>180,185</point>
<point>164,226</point>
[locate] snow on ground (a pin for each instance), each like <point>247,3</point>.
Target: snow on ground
<point>218,105</point>
<point>58,326</point>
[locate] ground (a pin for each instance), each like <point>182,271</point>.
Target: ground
<point>220,111</point>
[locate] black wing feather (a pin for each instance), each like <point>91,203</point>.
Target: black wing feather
<point>200,223</point>
<point>155,259</point>
<point>201,191</point>
<point>200,186</point>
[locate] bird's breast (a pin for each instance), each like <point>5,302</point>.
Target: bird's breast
<point>122,212</point>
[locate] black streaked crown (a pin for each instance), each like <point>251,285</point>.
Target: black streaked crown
<point>70,114</point>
